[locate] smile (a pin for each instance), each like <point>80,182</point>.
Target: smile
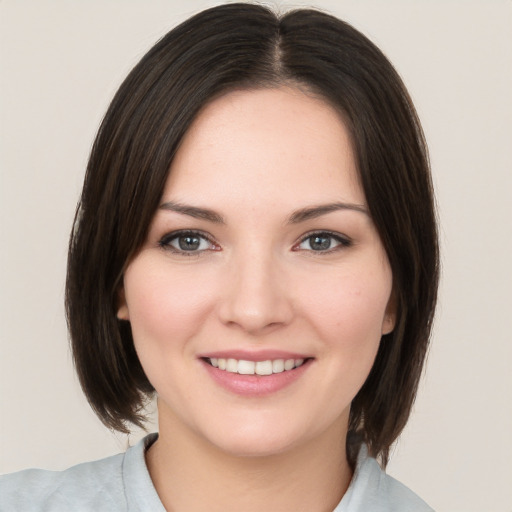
<point>244,367</point>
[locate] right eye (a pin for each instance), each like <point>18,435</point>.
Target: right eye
<point>187,242</point>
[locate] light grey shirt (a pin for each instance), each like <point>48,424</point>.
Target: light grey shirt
<point>122,483</point>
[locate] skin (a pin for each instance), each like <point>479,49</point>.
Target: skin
<point>256,282</point>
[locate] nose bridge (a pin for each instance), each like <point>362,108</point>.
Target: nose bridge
<point>255,297</point>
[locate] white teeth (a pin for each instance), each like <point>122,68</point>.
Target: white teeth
<point>232,365</point>
<point>289,364</point>
<point>278,366</point>
<point>244,367</point>
<point>264,368</point>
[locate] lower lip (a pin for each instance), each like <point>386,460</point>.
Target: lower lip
<point>255,385</point>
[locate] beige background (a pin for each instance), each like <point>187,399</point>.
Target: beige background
<point>61,61</point>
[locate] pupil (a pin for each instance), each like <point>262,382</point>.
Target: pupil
<point>320,243</point>
<point>189,243</point>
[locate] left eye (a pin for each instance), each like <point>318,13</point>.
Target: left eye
<point>322,242</point>
<point>186,242</point>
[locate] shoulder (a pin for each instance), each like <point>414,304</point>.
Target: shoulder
<point>94,485</point>
<point>372,489</point>
<point>113,484</point>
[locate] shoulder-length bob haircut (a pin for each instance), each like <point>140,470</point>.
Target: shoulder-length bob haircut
<point>246,46</point>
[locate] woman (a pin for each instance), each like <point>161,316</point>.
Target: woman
<point>256,244</point>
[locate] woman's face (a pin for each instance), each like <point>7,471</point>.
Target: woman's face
<point>260,296</point>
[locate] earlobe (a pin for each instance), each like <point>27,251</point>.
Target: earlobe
<point>388,323</point>
<point>122,313</point>
<point>122,310</point>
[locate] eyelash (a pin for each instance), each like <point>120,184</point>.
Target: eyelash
<point>343,241</point>
<point>166,240</point>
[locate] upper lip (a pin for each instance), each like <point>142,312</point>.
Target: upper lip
<point>254,355</point>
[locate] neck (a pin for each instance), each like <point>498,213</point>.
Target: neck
<point>190,474</point>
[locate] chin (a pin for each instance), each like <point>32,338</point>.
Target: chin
<point>260,438</point>
<point>255,445</point>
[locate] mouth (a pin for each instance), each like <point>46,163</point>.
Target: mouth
<point>256,375</point>
<point>261,368</point>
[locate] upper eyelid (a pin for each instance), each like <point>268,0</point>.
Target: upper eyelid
<point>334,234</point>
<point>343,242</point>
<point>177,232</point>
<point>165,239</point>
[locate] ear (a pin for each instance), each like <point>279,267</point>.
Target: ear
<point>389,320</point>
<point>122,308</point>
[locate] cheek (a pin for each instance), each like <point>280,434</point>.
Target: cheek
<point>348,310</point>
<point>165,306</point>
<point>348,321</point>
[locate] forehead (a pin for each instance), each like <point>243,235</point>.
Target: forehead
<point>265,145</point>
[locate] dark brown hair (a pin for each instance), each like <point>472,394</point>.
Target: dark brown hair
<point>243,46</point>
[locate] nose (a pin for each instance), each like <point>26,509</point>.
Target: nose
<point>255,298</point>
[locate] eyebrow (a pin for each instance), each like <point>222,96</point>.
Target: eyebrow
<point>295,218</point>
<point>317,211</point>
<point>193,211</point>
